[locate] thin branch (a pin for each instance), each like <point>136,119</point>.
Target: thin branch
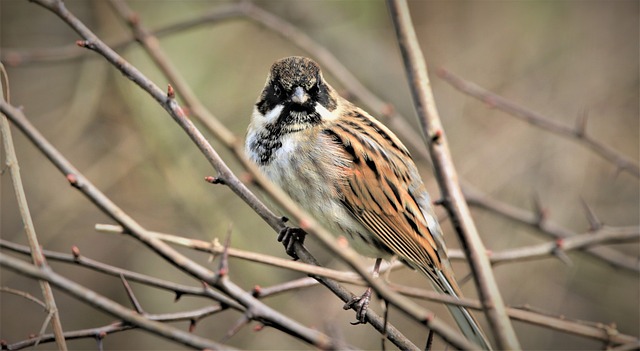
<point>216,248</point>
<point>83,261</point>
<point>36,252</point>
<point>25,295</point>
<point>596,331</point>
<point>447,177</point>
<point>605,235</point>
<point>608,255</point>
<point>576,133</point>
<point>94,299</point>
<point>19,57</point>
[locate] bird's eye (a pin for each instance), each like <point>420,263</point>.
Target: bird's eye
<point>276,90</point>
<point>315,89</point>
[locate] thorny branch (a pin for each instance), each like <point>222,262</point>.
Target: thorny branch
<point>309,224</point>
<point>264,17</point>
<point>447,177</point>
<point>36,252</point>
<point>577,133</point>
<point>331,63</point>
<point>598,331</point>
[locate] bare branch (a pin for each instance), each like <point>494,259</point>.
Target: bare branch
<point>447,176</point>
<point>611,256</point>
<point>25,214</point>
<point>94,299</point>
<point>307,223</point>
<point>576,133</point>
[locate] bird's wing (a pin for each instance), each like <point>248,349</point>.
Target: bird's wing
<point>383,191</point>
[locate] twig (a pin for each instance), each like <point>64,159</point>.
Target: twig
<point>94,299</point>
<point>605,235</point>
<point>596,331</point>
<point>36,252</point>
<point>16,57</point>
<point>86,262</point>
<point>216,248</point>
<point>448,179</point>
<point>576,133</point>
<point>611,256</point>
<point>526,315</point>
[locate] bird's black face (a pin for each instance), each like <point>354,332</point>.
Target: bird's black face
<point>296,87</point>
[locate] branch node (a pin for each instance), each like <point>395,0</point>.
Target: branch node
<point>215,180</point>
<point>171,94</point>
<point>76,253</point>
<point>86,44</point>
<point>256,291</point>
<point>387,110</point>
<point>73,180</point>
<point>437,136</point>
<point>134,19</point>
<point>558,252</point>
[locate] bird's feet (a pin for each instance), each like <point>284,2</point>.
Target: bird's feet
<point>360,304</point>
<point>289,236</point>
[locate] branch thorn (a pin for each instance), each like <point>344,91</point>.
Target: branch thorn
<point>178,296</point>
<point>594,222</point>
<point>581,124</point>
<point>541,213</point>
<point>132,297</point>
<point>223,268</point>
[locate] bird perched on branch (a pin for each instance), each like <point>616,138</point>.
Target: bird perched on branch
<point>352,174</point>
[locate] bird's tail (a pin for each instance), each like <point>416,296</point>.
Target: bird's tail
<point>465,320</point>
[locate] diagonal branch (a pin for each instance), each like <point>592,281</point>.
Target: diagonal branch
<point>36,251</point>
<point>94,299</point>
<point>447,177</point>
<point>576,133</point>
<point>545,226</point>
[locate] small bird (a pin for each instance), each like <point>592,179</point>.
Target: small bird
<point>352,174</point>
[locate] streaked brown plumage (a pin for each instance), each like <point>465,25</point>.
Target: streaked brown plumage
<point>350,172</point>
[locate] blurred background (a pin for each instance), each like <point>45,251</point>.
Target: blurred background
<point>561,58</point>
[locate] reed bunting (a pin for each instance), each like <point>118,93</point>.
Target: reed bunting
<point>352,174</point>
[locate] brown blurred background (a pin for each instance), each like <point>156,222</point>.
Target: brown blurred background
<point>559,58</point>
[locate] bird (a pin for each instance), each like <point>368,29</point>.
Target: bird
<point>352,174</point>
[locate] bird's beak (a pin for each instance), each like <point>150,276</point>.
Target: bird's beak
<point>299,95</point>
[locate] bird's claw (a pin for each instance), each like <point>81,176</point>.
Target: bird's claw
<point>360,304</point>
<point>289,236</point>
